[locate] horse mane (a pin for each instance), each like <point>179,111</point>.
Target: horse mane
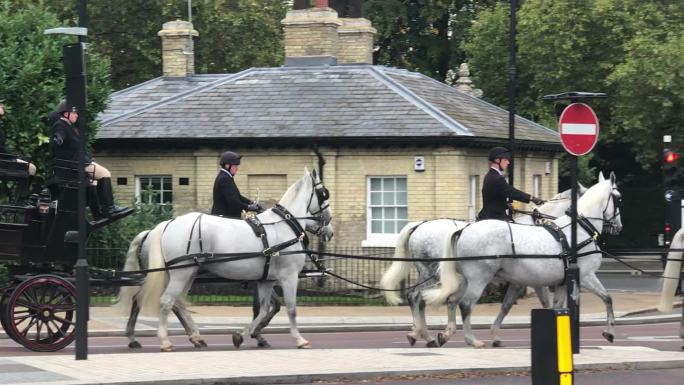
<point>595,192</point>
<point>292,191</point>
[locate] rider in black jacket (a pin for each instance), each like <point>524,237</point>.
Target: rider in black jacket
<point>65,145</point>
<point>496,191</point>
<point>227,199</point>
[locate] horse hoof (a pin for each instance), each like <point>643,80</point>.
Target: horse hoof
<point>411,340</point>
<point>237,340</point>
<point>478,344</point>
<point>305,345</point>
<point>135,345</point>
<point>199,344</point>
<point>497,344</point>
<point>166,349</point>
<point>432,344</point>
<point>263,344</point>
<point>442,339</point>
<point>608,336</point>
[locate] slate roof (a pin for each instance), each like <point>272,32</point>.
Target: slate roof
<point>354,101</point>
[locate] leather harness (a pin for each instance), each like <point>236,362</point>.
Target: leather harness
<point>259,232</point>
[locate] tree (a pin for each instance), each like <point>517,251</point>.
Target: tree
<point>32,77</point>
<point>630,49</point>
<point>422,35</point>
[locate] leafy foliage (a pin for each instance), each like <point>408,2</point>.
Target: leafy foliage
<point>114,239</point>
<point>422,35</point>
<point>32,77</point>
<point>630,49</point>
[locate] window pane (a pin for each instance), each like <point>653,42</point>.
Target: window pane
<point>388,198</point>
<point>401,184</point>
<point>388,184</point>
<point>144,196</point>
<point>390,227</point>
<point>376,227</point>
<point>401,198</point>
<point>401,224</point>
<point>376,213</point>
<point>376,198</point>
<point>376,184</point>
<point>167,197</point>
<point>402,213</point>
<point>156,183</point>
<point>389,213</point>
<point>167,183</point>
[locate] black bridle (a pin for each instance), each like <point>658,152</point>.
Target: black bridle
<point>322,195</point>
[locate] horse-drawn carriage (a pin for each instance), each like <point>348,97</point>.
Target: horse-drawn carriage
<point>38,246</point>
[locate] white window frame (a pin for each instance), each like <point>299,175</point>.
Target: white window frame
<point>473,196</point>
<point>537,186</point>
<point>375,239</point>
<point>139,189</point>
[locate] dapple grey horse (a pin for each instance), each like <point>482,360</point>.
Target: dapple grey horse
<point>305,201</point>
<point>467,279</point>
<point>137,259</point>
<point>425,239</point>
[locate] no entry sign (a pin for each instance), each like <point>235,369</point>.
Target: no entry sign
<point>579,128</point>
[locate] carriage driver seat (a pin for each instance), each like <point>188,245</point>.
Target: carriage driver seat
<point>11,170</point>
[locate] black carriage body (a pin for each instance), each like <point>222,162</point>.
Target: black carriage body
<point>32,233</point>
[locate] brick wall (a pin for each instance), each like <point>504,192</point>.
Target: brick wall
<point>439,191</point>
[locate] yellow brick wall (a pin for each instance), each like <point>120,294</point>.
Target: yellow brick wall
<point>438,192</point>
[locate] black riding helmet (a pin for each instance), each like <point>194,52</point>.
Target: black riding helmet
<point>499,153</point>
<point>64,106</point>
<point>229,157</point>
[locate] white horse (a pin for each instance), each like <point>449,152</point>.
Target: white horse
<point>425,239</point>
<point>304,204</point>
<point>137,259</point>
<point>597,208</point>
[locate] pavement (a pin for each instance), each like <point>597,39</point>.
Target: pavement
<point>280,366</point>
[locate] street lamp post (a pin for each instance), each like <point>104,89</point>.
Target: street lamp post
<point>76,95</point>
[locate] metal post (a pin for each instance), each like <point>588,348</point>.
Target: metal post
<point>572,278</point>
<point>512,91</point>
<point>82,279</point>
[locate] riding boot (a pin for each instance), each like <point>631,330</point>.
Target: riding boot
<point>24,191</point>
<point>106,195</point>
<point>94,202</point>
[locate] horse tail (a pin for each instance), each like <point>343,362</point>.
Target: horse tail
<point>398,271</point>
<point>155,282</point>
<point>449,278</point>
<point>671,273</point>
<point>126,293</point>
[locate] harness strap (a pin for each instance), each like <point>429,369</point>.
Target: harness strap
<point>558,234</point>
<point>510,232</point>
<point>192,230</point>
<point>293,223</point>
<point>260,233</point>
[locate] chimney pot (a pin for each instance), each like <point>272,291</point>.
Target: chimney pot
<point>178,56</point>
<point>322,4</point>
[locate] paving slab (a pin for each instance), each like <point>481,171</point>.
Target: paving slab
<point>302,366</point>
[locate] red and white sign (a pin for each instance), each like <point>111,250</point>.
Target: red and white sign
<point>579,128</point>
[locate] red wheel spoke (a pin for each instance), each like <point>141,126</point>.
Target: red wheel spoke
<point>62,320</point>
<point>39,327</point>
<point>18,320</point>
<point>27,328</point>
<point>27,304</point>
<point>60,330</point>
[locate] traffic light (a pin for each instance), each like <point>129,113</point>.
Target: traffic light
<point>670,168</point>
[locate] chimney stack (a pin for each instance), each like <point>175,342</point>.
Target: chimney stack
<point>311,35</point>
<point>178,53</point>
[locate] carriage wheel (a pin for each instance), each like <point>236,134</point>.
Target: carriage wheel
<point>39,313</point>
<point>4,298</point>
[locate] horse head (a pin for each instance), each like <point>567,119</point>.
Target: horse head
<point>606,197</point>
<point>319,208</point>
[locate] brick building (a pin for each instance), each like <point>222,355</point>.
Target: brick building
<point>398,146</point>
